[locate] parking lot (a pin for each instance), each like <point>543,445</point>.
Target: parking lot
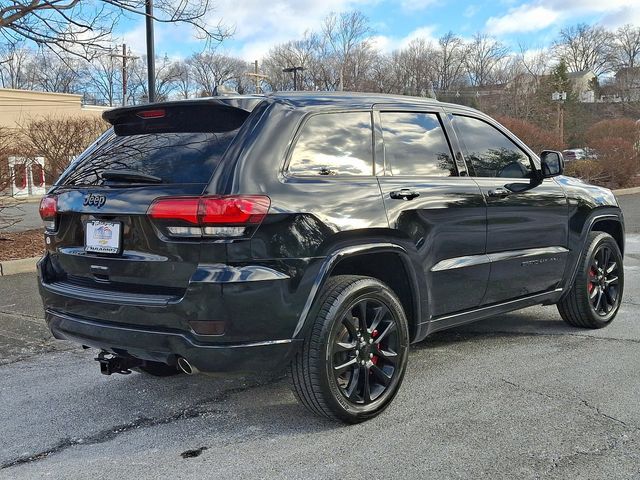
<point>520,395</point>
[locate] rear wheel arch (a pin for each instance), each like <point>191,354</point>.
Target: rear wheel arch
<point>393,269</point>
<point>386,262</point>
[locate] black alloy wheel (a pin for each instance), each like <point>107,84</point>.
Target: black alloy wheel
<point>603,282</point>
<point>354,355</point>
<point>595,296</point>
<point>364,357</point>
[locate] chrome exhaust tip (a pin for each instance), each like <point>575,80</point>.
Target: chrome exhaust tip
<point>186,367</point>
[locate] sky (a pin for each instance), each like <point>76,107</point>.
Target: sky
<point>261,24</point>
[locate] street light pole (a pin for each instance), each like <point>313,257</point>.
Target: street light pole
<point>151,56</point>
<point>295,71</point>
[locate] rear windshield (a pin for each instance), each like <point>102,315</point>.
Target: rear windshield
<point>179,157</point>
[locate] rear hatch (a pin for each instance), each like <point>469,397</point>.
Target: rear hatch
<point>103,241</point>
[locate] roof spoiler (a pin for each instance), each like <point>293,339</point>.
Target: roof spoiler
<point>207,115</point>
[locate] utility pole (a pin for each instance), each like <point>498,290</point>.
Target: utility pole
<point>560,98</point>
<point>256,76</point>
<point>124,58</point>
<point>151,56</point>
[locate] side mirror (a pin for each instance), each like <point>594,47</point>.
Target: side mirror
<point>551,163</point>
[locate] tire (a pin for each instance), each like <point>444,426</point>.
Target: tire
<point>157,369</point>
<point>596,294</point>
<point>328,374</point>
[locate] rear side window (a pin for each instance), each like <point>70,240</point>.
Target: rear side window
<point>334,144</point>
<point>184,146</point>
<point>490,152</point>
<point>415,144</point>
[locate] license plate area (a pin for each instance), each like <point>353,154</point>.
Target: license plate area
<point>103,237</point>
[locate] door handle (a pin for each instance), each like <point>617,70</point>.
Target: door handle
<point>404,194</point>
<point>499,192</point>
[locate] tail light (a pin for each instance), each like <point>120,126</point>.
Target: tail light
<point>231,216</point>
<point>49,211</point>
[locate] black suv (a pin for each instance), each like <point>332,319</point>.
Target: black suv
<point>315,231</point>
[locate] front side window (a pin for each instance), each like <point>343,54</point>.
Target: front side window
<point>489,152</point>
<point>415,144</point>
<point>334,144</point>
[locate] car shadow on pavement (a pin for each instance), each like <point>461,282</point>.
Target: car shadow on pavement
<point>270,403</point>
<point>516,324</point>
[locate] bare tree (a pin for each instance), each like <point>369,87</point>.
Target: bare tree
<point>452,57</point>
<point>626,46</point>
<point>58,139</point>
<point>418,68</point>
<point>212,69</point>
<point>7,145</point>
<point>535,61</point>
<point>382,76</point>
<point>344,33</point>
<point>585,47</point>
<point>296,53</point>
<point>14,66</point>
<point>483,56</point>
<point>184,80</point>
<point>57,72</point>
<point>79,27</point>
<point>167,77</point>
<point>105,72</point>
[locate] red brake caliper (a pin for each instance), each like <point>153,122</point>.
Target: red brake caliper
<point>375,358</point>
<point>592,274</point>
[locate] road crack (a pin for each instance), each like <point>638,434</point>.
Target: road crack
<point>196,411</point>
<point>505,333</point>
<point>581,401</point>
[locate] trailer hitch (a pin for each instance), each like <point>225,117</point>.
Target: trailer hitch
<point>110,363</point>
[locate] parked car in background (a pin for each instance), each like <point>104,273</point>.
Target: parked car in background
<point>574,154</point>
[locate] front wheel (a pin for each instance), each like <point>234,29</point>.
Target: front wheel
<point>353,359</point>
<point>596,293</point>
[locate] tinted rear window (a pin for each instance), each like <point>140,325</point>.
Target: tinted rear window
<point>179,157</point>
<point>334,144</point>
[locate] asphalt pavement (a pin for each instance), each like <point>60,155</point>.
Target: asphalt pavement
<point>630,205</point>
<point>520,395</point>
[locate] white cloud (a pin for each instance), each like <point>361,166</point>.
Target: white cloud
<point>261,24</point>
<point>388,44</point>
<point>626,15</point>
<point>416,5</point>
<point>136,38</point>
<point>471,11</point>
<point>525,18</point>
<point>540,14</point>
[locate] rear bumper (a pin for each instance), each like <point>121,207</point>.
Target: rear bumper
<point>166,346</point>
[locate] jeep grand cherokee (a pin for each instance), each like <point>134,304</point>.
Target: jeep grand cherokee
<point>320,232</point>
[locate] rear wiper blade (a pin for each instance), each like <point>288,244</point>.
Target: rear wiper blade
<point>129,176</point>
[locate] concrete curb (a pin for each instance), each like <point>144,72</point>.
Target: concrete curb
<point>20,200</point>
<point>627,191</point>
<point>24,265</point>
